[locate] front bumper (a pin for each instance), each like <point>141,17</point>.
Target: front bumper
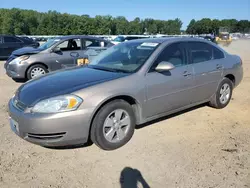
<point>51,130</point>
<point>16,70</point>
<point>238,76</point>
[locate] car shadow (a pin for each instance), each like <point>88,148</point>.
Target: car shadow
<point>19,80</point>
<point>87,144</point>
<point>170,116</point>
<point>130,178</point>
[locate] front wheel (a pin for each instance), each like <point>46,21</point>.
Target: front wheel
<point>223,94</point>
<point>114,125</point>
<point>36,71</point>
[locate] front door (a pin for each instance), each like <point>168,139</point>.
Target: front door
<point>206,61</point>
<point>172,89</point>
<point>67,56</point>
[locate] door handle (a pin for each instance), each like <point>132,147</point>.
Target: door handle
<point>218,66</point>
<point>74,54</point>
<point>186,73</point>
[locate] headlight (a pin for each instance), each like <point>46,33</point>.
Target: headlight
<point>19,59</point>
<point>62,103</point>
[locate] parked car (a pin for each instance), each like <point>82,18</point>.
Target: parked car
<point>27,38</point>
<point>57,53</point>
<point>120,39</point>
<point>9,43</point>
<point>126,85</point>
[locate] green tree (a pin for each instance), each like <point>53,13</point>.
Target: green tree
<point>243,26</point>
<point>121,25</point>
<point>191,27</point>
<point>135,27</point>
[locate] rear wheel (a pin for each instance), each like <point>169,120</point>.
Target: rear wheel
<point>36,71</point>
<point>113,126</point>
<point>223,94</point>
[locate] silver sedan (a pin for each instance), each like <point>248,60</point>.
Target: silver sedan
<point>129,84</point>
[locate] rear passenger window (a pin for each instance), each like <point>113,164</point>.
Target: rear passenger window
<point>217,53</point>
<point>200,52</point>
<point>92,43</point>
<point>11,40</point>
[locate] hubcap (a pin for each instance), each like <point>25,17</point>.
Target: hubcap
<point>38,71</point>
<point>116,125</point>
<point>225,92</point>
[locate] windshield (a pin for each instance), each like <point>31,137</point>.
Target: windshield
<point>124,57</point>
<point>48,44</point>
<point>119,39</point>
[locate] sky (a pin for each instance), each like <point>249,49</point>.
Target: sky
<point>156,9</point>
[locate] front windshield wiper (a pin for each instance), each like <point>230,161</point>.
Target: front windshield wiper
<point>108,69</point>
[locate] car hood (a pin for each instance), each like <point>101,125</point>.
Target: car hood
<point>62,82</point>
<point>26,51</point>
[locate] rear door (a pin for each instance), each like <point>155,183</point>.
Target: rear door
<point>93,47</point>
<point>10,44</point>
<point>1,47</point>
<point>206,61</point>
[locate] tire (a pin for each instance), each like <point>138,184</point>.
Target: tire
<point>216,102</point>
<point>104,117</point>
<point>33,68</point>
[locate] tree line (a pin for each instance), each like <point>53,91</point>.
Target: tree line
<point>207,25</point>
<point>28,22</point>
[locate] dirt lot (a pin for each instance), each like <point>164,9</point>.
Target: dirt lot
<point>203,147</point>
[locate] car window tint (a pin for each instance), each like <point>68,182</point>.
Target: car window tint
<point>70,45</point>
<point>200,52</point>
<point>218,54</point>
<point>11,40</point>
<point>92,43</point>
<point>174,53</point>
<point>107,44</point>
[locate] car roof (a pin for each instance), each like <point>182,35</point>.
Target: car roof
<point>168,39</point>
<point>79,36</point>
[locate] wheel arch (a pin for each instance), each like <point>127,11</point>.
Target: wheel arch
<point>129,99</point>
<point>230,77</point>
<point>36,63</point>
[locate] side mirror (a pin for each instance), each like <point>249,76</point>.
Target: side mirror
<point>164,66</point>
<point>56,50</point>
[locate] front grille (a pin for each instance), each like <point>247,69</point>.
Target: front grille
<point>19,105</point>
<point>51,136</point>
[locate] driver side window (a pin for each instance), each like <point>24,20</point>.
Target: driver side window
<point>70,45</point>
<point>174,53</point>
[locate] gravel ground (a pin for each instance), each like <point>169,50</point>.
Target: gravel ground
<point>202,147</point>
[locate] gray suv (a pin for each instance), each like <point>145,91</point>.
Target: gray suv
<point>57,53</point>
